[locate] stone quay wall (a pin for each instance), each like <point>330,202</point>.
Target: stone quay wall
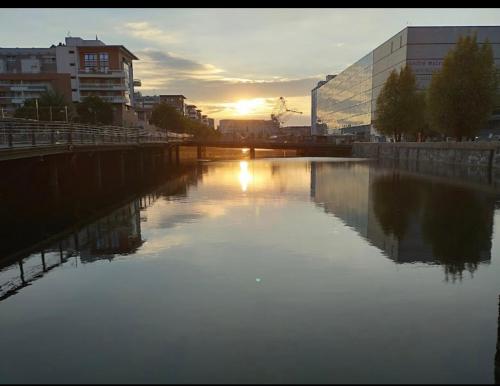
<point>476,154</point>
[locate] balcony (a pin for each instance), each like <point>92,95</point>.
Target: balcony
<point>115,99</point>
<point>102,86</point>
<point>102,74</point>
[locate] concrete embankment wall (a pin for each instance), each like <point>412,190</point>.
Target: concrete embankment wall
<point>477,162</point>
<point>484,154</point>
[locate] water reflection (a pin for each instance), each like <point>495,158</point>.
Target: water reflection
<point>199,274</point>
<point>411,219</point>
<point>245,177</point>
<point>115,234</point>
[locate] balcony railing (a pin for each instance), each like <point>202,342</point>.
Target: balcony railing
<point>102,73</point>
<point>102,86</point>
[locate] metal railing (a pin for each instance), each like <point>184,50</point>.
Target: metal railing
<point>16,133</point>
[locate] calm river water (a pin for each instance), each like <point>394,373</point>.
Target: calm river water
<point>275,270</point>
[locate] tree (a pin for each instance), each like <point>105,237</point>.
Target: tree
<point>51,107</point>
<point>93,109</point>
<point>168,118</point>
<point>400,107</point>
<point>462,95</point>
<point>411,104</point>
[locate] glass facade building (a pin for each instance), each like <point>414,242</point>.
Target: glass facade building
<point>346,104</point>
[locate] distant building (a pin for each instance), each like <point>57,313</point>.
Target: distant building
<point>176,101</point>
<point>346,103</point>
<point>143,106</point>
<point>247,128</point>
<point>296,131</point>
<point>94,68</point>
<point>211,123</point>
<point>191,112</point>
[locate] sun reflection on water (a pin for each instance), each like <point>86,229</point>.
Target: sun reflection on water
<point>245,176</point>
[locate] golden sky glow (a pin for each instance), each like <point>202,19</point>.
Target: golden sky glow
<point>248,106</point>
<point>254,56</point>
<point>257,108</point>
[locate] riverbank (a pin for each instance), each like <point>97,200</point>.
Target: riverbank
<point>469,160</point>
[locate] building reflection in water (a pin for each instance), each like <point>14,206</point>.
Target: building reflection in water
<point>411,218</point>
<point>114,234</point>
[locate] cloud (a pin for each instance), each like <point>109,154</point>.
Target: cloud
<point>213,89</point>
<point>144,30</point>
<point>164,63</point>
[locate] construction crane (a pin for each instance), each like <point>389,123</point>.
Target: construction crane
<point>281,112</point>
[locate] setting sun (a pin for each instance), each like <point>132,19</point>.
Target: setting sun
<point>246,106</point>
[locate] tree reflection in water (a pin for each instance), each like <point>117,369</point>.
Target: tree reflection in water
<point>456,221</point>
<point>396,198</point>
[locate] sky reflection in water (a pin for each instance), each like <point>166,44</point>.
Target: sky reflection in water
<point>280,270</point>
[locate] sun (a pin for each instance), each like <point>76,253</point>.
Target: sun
<point>246,106</point>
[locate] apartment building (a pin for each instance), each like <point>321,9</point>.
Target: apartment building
<point>191,112</point>
<point>144,105</point>
<point>93,67</point>
<point>176,101</point>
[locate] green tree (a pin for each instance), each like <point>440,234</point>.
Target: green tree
<point>400,106</point>
<point>51,107</point>
<point>461,96</point>
<point>93,109</point>
<point>387,115</point>
<point>411,104</point>
<point>168,118</point>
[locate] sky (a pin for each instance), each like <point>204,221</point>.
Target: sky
<point>233,63</point>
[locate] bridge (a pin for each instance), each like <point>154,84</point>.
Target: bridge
<point>54,152</point>
<point>25,138</point>
<point>303,148</point>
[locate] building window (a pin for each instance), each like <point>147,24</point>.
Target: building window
<point>90,62</point>
<point>72,64</point>
<point>104,61</point>
<point>74,90</point>
<point>71,52</point>
<point>73,77</point>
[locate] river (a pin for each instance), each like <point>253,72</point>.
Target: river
<point>275,270</point>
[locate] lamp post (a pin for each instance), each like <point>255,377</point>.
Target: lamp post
<point>36,103</point>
